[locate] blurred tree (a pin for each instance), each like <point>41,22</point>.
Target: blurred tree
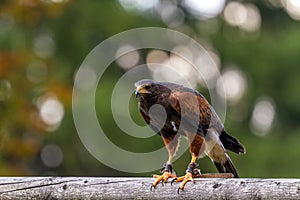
<point>43,42</point>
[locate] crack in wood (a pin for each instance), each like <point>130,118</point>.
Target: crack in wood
<point>20,182</point>
<point>133,188</point>
<point>109,182</point>
<point>36,186</point>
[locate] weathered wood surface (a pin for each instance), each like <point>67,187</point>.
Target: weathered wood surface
<point>139,188</point>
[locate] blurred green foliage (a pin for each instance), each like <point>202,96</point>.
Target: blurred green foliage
<point>42,44</point>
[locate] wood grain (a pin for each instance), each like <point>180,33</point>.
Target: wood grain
<point>139,188</point>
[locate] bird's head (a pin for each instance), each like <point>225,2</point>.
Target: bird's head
<point>144,87</point>
<point>148,88</point>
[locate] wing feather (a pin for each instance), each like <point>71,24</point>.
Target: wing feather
<point>193,107</point>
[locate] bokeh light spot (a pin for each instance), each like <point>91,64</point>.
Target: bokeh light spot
<point>51,111</point>
<point>234,83</point>
<point>52,155</point>
<point>245,16</point>
<point>172,16</point>
<point>253,21</point>
<point>140,5</point>
<point>44,45</point>
<point>235,13</point>
<point>262,117</point>
<point>205,8</point>
<point>157,56</point>
<point>173,68</point>
<point>293,8</point>
<point>127,57</point>
<point>209,73</point>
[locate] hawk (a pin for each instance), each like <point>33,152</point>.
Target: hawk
<point>183,111</point>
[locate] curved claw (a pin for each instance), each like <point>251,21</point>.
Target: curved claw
<point>179,190</point>
<point>185,179</point>
<point>162,178</point>
<point>174,180</point>
<point>152,187</point>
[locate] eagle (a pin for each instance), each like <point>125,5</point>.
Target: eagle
<point>172,111</point>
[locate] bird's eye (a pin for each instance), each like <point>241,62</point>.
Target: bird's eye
<point>147,87</point>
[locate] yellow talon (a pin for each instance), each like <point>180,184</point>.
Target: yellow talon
<point>188,177</point>
<point>190,172</point>
<point>164,177</point>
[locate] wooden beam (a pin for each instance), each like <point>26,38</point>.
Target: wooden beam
<point>139,188</point>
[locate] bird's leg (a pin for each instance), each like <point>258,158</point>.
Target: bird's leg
<point>171,143</point>
<point>167,172</point>
<point>191,173</point>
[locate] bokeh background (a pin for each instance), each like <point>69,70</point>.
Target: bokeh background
<point>255,44</point>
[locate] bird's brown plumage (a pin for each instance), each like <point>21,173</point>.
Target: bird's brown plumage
<point>188,113</point>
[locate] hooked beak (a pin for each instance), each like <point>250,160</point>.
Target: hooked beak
<point>136,93</point>
<point>141,90</point>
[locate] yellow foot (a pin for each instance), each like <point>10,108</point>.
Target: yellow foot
<point>184,179</point>
<point>162,178</point>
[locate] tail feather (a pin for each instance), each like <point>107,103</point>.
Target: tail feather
<point>227,167</point>
<point>231,143</point>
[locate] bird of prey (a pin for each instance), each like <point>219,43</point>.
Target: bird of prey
<point>187,113</point>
